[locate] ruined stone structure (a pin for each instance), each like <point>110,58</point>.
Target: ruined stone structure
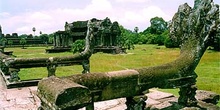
<point>195,26</point>
<point>11,66</point>
<point>106,38</point>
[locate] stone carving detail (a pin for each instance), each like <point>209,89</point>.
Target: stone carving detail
<point>51,67</point>
<point>194,27</point>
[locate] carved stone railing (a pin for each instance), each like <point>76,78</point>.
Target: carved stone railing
<point>11,66</point>
<point>195,26</point>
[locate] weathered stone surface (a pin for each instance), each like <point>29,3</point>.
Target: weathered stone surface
<point>62,94</point>
<point>13,93</point>
<point>150,102</point>
<point>156,95</point>
<point>207,96</point>
<point>208,106</point>
<point>23,99</point>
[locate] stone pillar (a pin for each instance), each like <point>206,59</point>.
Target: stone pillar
<point>86,66</point>
<point>187,92</point>
<point>51,67</point>
<point>14,75</point>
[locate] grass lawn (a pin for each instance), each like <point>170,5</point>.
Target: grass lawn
<point>208,69</point>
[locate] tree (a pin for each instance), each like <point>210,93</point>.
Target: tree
<point>3,41</point>
<point>127,38</point>
<point>44,38</point>
<point>136,29</point>
<point>156,33</point>
<point>78,46</point>
<point>34,29</point>
<point>50,38</point>
<point>158,25</point>
<point>10,42</point>
<point>23,42</point>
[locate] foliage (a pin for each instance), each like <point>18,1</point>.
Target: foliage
<point>23,42</point>
<point>158,25</point>
<point>10,42</point>
<point>44,38</point>
<point>23,36</point>
<point>128,38</point>
<point>78,46</point>
<point>156,33</point>
<point>129,44</point>
<point>3,41</point>
<point>50,38</point>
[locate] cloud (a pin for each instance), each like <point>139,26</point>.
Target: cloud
<point>99,6</point>
<point>40,16</point>
<point>4,14</point>
<point>52,20</point>
<point>23,29</point>
<point>134,1</point>
<point>141,18</point>
<point>153,11</point>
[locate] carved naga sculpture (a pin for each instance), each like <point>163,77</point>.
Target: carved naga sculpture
<point>194,26</point>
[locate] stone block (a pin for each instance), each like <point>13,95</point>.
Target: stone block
<point>62,94</point>
<point>157,95</point>
<point>207,96</point>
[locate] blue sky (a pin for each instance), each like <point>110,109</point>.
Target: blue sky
<point>50,15</point>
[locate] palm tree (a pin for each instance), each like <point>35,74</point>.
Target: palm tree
<point>34,29</point>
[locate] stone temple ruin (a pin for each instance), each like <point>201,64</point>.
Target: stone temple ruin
<point>11,66</point>
<point>106,37</point>
<point>194,26</point>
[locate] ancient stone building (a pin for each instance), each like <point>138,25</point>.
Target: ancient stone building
<point>107,36</point>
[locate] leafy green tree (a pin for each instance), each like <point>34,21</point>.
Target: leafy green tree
<point>50,38</point>
<point>3,41</point>
<point>44,38</point>
<point>156,33</point>
<point>23,42</point>
<point>128,38</point>
<point>10,42</point>
<point>158,25</point>
<point>78,46</point>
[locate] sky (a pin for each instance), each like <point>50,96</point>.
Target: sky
<point>48,16</point>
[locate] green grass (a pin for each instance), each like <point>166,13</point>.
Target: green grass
<point>208,69</point>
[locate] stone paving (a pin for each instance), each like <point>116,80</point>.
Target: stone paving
<point>18,98</point>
